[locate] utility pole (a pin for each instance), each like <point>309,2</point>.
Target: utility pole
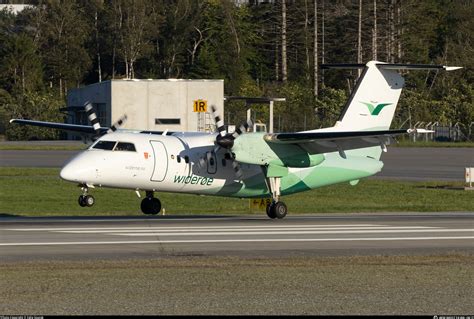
<point>284,71</point>
<point>323,57</point>
<point>374,34</point>
<point>359,38</point>
<point>315,48</point>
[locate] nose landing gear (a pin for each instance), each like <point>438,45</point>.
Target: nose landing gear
<point>84,199</point>
<point>150,205</point>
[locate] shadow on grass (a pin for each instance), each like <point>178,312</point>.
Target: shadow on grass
<point>446,187</point>
<point>8,215</point>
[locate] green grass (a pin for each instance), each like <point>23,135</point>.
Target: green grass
<point>40,192</point>
<point>383,285</point>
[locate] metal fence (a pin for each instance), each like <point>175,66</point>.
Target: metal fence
<point>444,132</point>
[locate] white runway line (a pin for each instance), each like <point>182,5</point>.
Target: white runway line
<point>233,241</point>
<point>182,227</point>
<point>234,229</point>
<point>316,232</point>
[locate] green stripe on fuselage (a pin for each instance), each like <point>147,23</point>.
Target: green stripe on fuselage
<point>333,170</point>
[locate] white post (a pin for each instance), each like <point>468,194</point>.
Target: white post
<point>249,115</point>
<point>270,130</point>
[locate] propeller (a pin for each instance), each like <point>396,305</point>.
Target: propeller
<point>225,140</point>
<point>92,116</point>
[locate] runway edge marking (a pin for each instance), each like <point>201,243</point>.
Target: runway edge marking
<point>234,241</point>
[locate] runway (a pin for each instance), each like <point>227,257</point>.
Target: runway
<point>401,163</point>
<point>322,235</point>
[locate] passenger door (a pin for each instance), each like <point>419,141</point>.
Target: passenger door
<point>160,161</point>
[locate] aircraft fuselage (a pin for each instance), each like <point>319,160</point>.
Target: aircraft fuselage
<point>171,163</point>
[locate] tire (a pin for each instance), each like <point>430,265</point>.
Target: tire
<point>145,205</point>
<point>271,211</point>
<point>89,200</point>
<point>150,205</point>
<point>81,201</point>
<point>280,210</point>
<point>155,206</point>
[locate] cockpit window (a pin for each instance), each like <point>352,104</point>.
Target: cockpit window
<point>104,145</point>
<point>122,146</point>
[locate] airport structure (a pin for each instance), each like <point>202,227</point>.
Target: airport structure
<point>154,105</point>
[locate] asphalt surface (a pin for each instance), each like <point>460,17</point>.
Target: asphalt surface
<point>25,239</point>
<point>426,163</point>
<point>411,163</point>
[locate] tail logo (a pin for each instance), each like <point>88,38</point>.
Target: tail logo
<point>375,110</point>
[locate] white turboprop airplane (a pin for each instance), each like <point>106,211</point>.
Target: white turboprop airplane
<point>251,165</point>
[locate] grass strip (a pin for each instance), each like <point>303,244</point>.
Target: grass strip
<point>40,192</point>
<point>385,285</point>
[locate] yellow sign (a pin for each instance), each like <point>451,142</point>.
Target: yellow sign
<point>259,203</point>
<point>200,106</point>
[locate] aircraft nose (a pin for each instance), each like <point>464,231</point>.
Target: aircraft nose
<point>68,173</point>
<point>75,171</point>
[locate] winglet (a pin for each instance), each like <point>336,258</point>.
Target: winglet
<point>419,131</point>
<point>452,68</point>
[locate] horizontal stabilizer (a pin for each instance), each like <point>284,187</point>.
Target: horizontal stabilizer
<point>391,66</point>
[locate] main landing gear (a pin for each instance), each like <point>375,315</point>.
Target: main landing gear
<point>276,209</point>
<point>150,205</point>
<point>84,199</point>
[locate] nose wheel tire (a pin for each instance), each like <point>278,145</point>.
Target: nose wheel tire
<point>150,205</point>
<point>277,210</point>
<point>86,200</point>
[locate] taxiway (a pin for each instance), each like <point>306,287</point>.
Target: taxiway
<point>401,163</point>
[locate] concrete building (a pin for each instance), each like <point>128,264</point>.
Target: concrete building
<point>155,105</point>
<point>15,8</point>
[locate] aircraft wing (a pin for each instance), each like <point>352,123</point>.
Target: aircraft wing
<point>327,141</point>
<point>85,129</point>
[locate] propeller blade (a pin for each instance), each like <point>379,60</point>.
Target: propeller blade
<point>117,124</point>
<point>242,129</point>
<point>237,170</point>
<point>202,163</point>
<point>219,122</point>
<point>92,117</point>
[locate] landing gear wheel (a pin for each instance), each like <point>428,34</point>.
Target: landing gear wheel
<point>86,200</point>
<point>82,201</point>
<point>89,200</point>
<point>271,211</point>
<point>150,205</point>
<point>280,210</point>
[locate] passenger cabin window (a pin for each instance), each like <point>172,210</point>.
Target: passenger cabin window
<point>122,146</point>
<point>104,145</point>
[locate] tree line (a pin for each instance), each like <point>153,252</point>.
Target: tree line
<point>260,48</point>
